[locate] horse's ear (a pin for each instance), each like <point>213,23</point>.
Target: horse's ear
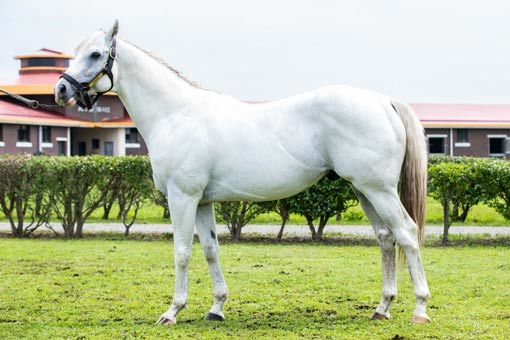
<point>113,31</point>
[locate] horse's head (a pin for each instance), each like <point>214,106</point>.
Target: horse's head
<point>92,72</point>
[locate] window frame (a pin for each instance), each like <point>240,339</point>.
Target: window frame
<point>503,139</point>
<point>436,136</point>
<point>26,129</point>
<point>46,132</point>
<point>132,132</point>
<point>461,138</point>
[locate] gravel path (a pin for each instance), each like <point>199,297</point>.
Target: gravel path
<point>290,230</point>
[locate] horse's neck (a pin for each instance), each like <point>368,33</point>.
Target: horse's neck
<point>149,90</point>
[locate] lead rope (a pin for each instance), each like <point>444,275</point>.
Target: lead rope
<point>31,103</point>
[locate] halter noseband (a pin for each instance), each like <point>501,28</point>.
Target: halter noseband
<point>82,89</point>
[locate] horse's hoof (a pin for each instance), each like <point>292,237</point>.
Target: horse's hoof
<point>214,317</point>
<point>417,319</point>
<point>166,322</point>
<point>379,316</point>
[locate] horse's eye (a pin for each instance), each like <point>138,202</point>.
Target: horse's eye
<point>95,55</point>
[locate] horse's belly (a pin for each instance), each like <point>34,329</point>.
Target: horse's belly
<point>261,183</point>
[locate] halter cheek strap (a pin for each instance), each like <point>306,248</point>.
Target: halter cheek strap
<point>82,96</point>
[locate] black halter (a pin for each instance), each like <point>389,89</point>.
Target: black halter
<point>82,89</point>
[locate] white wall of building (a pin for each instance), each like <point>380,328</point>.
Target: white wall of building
<point>115,135</point>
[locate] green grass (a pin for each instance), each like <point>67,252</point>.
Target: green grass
<point>99,288</point>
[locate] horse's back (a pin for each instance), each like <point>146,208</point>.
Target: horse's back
<point>341,124</point>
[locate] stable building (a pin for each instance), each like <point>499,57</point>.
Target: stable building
<point>480,130</point>
<point>106,129</point>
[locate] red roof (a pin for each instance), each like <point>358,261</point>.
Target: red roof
<point>431,115</point>
<point>463,115</point>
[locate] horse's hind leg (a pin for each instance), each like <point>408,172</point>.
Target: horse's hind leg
<point>392,213</point>
<point>387,243</point>
<point>206,227</point>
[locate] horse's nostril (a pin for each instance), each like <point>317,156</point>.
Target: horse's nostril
<point>62,89</point>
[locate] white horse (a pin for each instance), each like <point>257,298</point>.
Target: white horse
<point>206,147</point>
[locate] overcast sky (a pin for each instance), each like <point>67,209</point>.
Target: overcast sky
<point>418,51</point>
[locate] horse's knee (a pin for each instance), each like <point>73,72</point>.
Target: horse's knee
<point>386,239</point>
<point>211,252</point>
<point>182,256</point>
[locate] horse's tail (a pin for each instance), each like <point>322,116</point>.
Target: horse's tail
<point>413,177</point>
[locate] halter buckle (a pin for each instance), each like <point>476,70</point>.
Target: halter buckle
<point>113,53</point>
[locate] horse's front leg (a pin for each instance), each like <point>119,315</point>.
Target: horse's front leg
<point>206,227</point>
<point>183,209</point>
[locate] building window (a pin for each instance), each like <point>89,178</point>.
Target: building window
<point>82,148</point>
<point>462,135</point>
<point>497,146</point>
<point>1,132</point>
<point>95,143</point>
<point>436,145</point>
<point>132,135</point>
<point>61,148</point>
<point>46,134</point>
<point>24,133</point>
<point>108,148</point>
<point>41,62</point>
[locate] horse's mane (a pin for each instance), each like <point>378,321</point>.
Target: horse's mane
<point>164,63</point>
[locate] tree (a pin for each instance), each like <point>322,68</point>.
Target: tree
<point>23,191</point>
<point>135,186</point>
<point>495,176</point>
<point>109,201</point>
<point>282,209</point>
<point>160,199</point>
<point>238,214</point>
<point>457,186</point>
<point>323,200</point>
<point>79,185</point>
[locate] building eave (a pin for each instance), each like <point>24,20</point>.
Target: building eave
<point>53,56</point>
<point>466,125</point>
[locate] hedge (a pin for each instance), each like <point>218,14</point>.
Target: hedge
<point>71,188</point>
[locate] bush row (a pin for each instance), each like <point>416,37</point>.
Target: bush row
<point>460,183</point>
<point>71,188</point>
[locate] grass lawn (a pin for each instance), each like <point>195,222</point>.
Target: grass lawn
<point>99,288</point>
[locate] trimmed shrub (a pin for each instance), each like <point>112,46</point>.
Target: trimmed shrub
<point>458,185</point>
<point>236,215</point>
<point>323,200</point>
<point>134,188</point>
<point>23,193</point>
<point>80,185</point>
<point>161,200</point>
<point>495,178</point>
